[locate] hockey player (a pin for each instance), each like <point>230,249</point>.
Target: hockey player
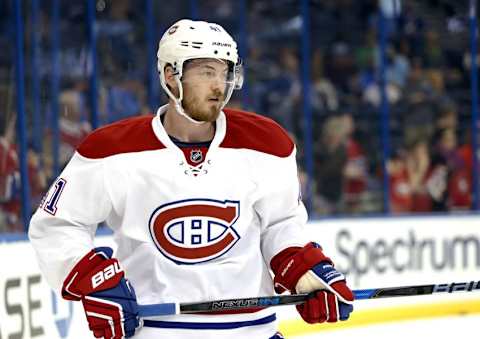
<point>203,202</point>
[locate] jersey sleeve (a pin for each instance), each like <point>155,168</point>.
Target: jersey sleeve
<point>280,209</point>
<point>63,227</point>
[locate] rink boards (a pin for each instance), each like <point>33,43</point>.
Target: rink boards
<point>373,252</point>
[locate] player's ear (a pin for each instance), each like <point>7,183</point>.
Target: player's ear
<point>170,79</point>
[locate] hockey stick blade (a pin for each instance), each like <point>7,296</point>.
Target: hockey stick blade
<point>295,299</point>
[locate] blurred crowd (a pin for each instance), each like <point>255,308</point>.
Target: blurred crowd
<point>427,86</point>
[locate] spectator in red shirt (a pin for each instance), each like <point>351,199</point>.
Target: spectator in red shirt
<point>458,195</point>
<point>340,167</point>
<point>355,168</point>
<point>411,175</point>
<point>10,184</point>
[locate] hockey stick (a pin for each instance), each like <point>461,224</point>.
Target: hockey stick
<point>263,302</point>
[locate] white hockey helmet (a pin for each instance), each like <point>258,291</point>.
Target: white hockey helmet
<point>186,40</point>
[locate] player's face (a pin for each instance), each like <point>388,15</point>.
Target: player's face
<point>204,87</point>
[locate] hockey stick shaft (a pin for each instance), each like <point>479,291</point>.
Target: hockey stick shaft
<point>268,301</point>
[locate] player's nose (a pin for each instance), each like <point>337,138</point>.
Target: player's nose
<point>217,86</point>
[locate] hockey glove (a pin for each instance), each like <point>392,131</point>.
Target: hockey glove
<point>307,269</point>
<point>108,298</point>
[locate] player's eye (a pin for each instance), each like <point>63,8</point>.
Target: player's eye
<point>208,73</point>
<point>211,74</point>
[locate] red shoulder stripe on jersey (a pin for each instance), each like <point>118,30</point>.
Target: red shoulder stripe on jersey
<point>256,132</point>
<point>125,136</point>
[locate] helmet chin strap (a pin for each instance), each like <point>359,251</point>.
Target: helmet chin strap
<point>178,103</point>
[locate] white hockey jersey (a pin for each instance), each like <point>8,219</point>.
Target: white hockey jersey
<point>184,233</point>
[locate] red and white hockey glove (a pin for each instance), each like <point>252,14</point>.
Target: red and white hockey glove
<point>108,298</point>
<point>307,269</point>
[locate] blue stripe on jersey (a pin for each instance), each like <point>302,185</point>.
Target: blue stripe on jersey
<point>209,326</point>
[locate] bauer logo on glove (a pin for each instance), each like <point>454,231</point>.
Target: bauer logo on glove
<point>107,273</point>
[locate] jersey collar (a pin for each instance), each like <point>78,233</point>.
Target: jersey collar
<point>161,134</point>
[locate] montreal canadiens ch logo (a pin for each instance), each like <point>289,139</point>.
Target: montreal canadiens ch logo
<point>196,230</point>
